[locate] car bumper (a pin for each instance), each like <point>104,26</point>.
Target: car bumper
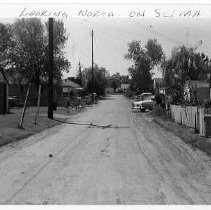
<point>134,106</point>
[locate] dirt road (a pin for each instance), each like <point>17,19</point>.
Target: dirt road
<point>129,161</point>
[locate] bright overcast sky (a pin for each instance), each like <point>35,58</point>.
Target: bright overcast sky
<point>112,35</point>
<point>111,38</point>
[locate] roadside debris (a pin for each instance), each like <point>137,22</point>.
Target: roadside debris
<point>91,125</point>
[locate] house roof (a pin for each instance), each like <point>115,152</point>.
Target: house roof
<point>69,83</point>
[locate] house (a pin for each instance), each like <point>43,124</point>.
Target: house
<point>198,87</point>
<point>69,86</point>
<point>158,85</point>
<point>125,86</point>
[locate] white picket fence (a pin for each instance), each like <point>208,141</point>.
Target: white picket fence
<point>190,116</point>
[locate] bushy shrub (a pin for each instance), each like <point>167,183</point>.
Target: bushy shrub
<point>159,110</point>
<point>119,90</point>
<point>128,93</point>
<point>159,98</point>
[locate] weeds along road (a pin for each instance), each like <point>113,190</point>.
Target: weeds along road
<point>129,161</point>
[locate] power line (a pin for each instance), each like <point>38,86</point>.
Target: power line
<point>117,29</point>
<point>111,54</point>
<point>168,38</point>
<point>104,33</point>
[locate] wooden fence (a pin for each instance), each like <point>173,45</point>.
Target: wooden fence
<point>190,116</point>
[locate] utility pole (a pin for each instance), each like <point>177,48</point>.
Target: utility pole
<point>209,79</point>
<point>92,67</point>
<point>73,49</point>
<point>50,71</point>
<point>79,73</point>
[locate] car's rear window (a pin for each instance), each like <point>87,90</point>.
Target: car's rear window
<point>150,97</point>
<point>144,96</point>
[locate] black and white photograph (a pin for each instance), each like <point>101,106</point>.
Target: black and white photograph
<point>107,105</point>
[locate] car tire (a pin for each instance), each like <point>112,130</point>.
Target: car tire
<point>142,110</point>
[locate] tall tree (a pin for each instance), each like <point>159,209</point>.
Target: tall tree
<point>125,79</point>
<point>6,46</point>
<point>100,79</point>
<point>154,51</point>
<point>116,81</point>
<point>144,58</point>
<point>30,53</point>
<point>183,65</point>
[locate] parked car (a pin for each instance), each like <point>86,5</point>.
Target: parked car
<point>147,103</point>
<point>142,105</point>
<point>15,101</point>
<point>138,99</point>
<point>142,96</point>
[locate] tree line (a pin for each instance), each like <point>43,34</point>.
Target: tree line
<point>24,50</point>
<point>24,56</point>
<point>184,64</point>
<point>102,79</point>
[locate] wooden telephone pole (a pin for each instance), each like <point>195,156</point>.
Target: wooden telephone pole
<point>50,71</point>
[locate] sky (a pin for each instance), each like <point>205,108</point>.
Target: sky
<point>111,37</point>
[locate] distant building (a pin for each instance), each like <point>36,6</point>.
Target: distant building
<point>69,86</point>
<point>200,86</point>
<point>125,86</point>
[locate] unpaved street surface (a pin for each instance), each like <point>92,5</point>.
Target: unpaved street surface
<point>129,161</point>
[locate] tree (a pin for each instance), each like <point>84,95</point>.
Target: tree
<point>114,84</point>
<point>30,53</point>
<point>6,46</point>
<point>100,79</point>
<point>115,81</point>
<point>74,79</point>
<point>125,79</point>
<point>144,60</point>
<point>183,65</point>
<point>154,51</point>
<point>30,45</point>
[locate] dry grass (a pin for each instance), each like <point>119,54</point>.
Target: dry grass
<point>186,134</point>
<point>158,111</point>
<point>9,131</point>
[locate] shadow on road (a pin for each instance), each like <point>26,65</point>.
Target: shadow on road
<point>91,125</point>
<point>107,97</point>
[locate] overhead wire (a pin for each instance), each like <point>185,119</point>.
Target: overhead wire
<point>106,34</point>
<point>153,31</point>
<point>166,39</point>
<point>96,46</point>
